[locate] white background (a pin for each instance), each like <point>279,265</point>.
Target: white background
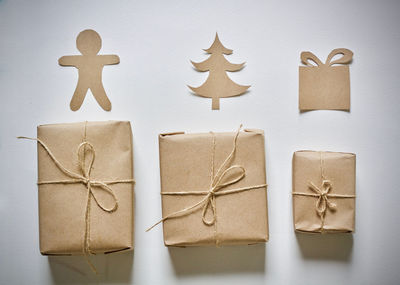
<point>155,41</point>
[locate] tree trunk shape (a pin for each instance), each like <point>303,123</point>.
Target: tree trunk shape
<point>215,103</point>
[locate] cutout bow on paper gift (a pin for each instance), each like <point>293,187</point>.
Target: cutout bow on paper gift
<point>324,86</point>
<point>90,66</point>
<point>218,84</point>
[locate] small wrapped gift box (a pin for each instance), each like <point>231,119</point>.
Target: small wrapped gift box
<point>325,87</point>
<point>213,188</point>
<point>324,191</point>
<point>85,178</point>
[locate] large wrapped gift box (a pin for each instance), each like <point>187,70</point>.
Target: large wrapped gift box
<point>85,178</point>
<point>213,188</point>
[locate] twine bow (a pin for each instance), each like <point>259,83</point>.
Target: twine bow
<point>347,56</point>
<point>86,180</point>
<point>216,186</point>
<point>323,202</point>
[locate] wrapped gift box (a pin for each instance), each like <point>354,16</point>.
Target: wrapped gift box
<point>206,201</point>
<point>324,191</point>
<point>85,187</point>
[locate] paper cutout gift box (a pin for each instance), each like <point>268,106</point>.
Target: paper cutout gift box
<point>325,86</point>
<point>85,178</point>
<point>324,191</point>
<point>213,188</point>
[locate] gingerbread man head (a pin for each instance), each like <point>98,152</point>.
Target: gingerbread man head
<point>88,42</point>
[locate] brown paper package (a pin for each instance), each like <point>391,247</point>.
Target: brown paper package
<point>62,206</point>
<point>325,87</point>
<point>338,169</point>
<point>186,165</point>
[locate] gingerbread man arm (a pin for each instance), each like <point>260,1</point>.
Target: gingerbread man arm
<point>69,60</point>
<point>110,59</point>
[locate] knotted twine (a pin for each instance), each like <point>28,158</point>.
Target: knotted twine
<point>323,195</point>
<point>86,180</point>
<point>209,201</point>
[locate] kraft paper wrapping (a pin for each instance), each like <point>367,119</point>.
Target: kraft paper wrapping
<point>325,87</point>
<point>339,170</point>
<point>62,206</point>
<point>186,165</point>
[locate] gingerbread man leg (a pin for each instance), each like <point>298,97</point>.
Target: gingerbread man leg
<point>79,96</point>
<point>101,97</point>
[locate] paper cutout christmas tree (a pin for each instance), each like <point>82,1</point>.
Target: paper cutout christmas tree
<point>90,66</point>
<point>218,84</point>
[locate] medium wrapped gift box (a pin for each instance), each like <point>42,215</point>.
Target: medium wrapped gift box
<point>325,86</point>
<point>85,178</point>
<point>213,188</point>
<point>324,191</point>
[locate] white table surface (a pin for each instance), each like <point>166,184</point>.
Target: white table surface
<point>155,41</point>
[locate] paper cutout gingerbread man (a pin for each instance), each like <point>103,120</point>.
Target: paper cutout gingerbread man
<point>90,68</point>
